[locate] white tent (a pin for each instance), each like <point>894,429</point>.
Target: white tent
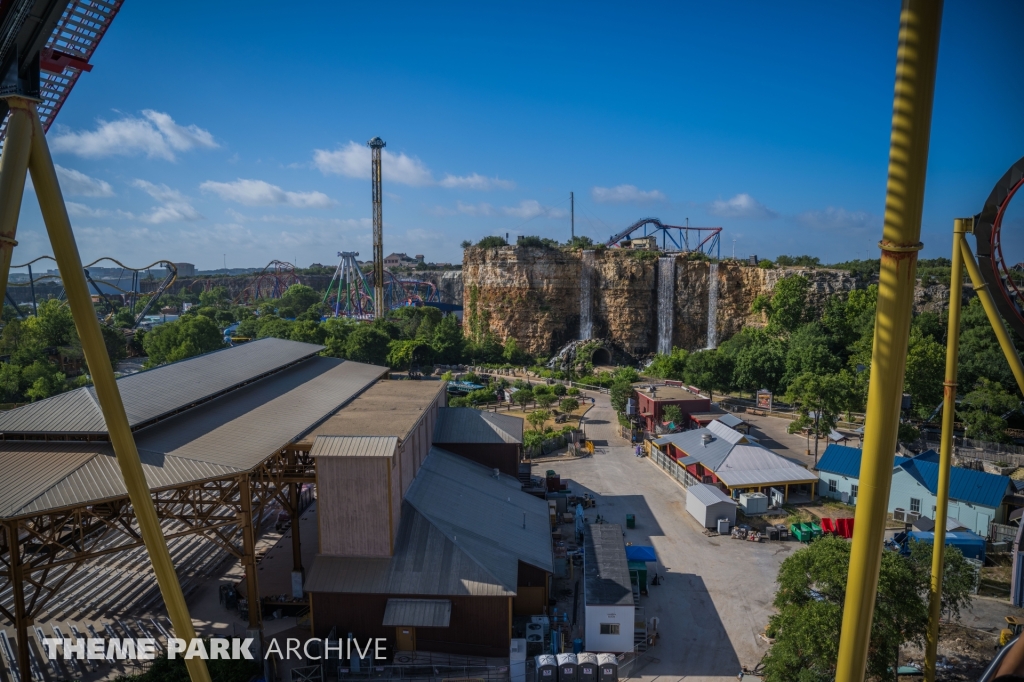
<point>707,504</point>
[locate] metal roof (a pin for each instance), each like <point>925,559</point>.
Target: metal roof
<point>965,485</point>
<point>230,434</point>
<point>730,420</point>
<point>158,392</point>
<point>463,531</point>
<point>736,461</point>
<point>469,425</point>
<point>840,459</point>
<point>388,408</point>
<point>418,613</point>
<point>709,494</point>
<point>354,446</point>
<point>605,569</point>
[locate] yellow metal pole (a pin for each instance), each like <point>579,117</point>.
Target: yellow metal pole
<point>916,58</point>
<point>13,166</point>
<point>956,288</point>
<point>981,288</point>
<point>65,251</point>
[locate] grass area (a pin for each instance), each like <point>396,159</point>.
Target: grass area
<point>573,420</point>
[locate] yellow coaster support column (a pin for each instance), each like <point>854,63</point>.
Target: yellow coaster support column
<point>30,137</point>
<point>956,289</point>
<point>13,166</point>
<point>916,59</point>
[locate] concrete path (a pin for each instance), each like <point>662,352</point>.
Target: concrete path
<point>717,592</point>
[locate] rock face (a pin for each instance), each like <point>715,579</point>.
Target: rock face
<point>534,295</point>
<point>448,283</point>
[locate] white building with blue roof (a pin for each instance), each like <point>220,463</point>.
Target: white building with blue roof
<point>976,498</point>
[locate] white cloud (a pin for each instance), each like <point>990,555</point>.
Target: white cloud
<point>82,211</point>
<point>741,206</point>
<point>839,219</point>
<point>475,181</point>
<point>625,194</point>
<point>260,193</point>
<point>481,209</point>
<point>531,208</point>
<point>77,183</point>
<point>174,206</point>
<point>353,160</point>
<point>155,134</point>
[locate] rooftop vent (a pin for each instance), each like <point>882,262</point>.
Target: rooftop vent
<point>707,438</point>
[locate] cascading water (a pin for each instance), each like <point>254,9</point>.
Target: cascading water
<point>586,298</point>
<point>666,302</point>
<point>713,306</point>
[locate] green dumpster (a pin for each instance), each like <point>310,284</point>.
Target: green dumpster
<point>630,521</point>
<point>799,533</point>
<point>815,530</point>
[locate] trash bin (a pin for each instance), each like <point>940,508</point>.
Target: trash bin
<point>630,521</point>
<point>723,526</point>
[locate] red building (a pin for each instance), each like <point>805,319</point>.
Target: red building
<point>653,399</point>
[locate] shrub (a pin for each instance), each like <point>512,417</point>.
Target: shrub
<point>492,242</point>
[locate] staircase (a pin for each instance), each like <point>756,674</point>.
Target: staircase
<point>639,630</point>
<point>524,474</point>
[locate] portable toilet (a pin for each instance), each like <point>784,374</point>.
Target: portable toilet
<point>586,666</point>
<point>607,668</point>
<point>517,660</point>
<point>547,668</point>
<point>567,668</point>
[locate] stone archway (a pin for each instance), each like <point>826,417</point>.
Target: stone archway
<point>600,356</point>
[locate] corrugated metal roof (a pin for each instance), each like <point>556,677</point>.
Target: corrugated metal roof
<point>388,408</point>
<point>468,425</point>
<point>153,393</point>
<point>354,446</point>
<point>739,463</point>
<point>605,569</point>
<point>709,494</point>
<point>711,454</point>
<point>723,431</point>
<point>418,613</point>
<point>461,533</point>
<point>230,434</point>
<point>730,420</point>
<point>965,485</point>
<point>243,428</point>
<point>425,562</point>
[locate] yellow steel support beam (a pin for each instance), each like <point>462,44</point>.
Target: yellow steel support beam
<point>981,288</point>
<point>956,288</point>
<point>13,166</point>
<point>916,58</point>
<point>69,262</point>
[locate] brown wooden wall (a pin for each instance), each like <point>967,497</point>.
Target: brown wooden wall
<point>501,456</point>
<point>479,626</point>
<point>353,506</point>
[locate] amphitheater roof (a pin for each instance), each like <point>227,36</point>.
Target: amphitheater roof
<point>231,433</point>
<point>156,393</point>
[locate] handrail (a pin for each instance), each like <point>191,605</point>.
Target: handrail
<point>990,671</point>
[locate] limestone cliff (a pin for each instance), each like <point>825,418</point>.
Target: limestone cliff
<point>448,283</point>
<point>534,295</point>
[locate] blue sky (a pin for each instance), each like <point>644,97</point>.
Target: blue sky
<point>208,129</point>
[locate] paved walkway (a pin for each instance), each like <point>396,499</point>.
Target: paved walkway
<point>717,592</point>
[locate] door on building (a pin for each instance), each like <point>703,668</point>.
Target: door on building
<point>983,521</point>
<point>405,638</point>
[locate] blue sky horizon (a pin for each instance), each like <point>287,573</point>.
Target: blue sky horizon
<point>226,133</point>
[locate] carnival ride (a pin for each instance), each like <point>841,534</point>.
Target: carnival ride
<point>351,293</point>
<point>131,293</point>
<point>270,282</point>
<point>1001,278</point>
<point>674,238</point>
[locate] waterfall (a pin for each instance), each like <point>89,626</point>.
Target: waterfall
<point>713,306</point>
<point>586,298</point>
<point>666,302</point>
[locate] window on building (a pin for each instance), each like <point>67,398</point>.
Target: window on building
<point>609,628</point>
<point>915,505</point>
<point>833,485</point>
<point>853,493</point>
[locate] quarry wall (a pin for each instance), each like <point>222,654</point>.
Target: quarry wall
<point>534,295</point>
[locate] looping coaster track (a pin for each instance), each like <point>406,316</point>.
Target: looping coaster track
<point>1004,281</point>
<point>674,238</point>
<point>271,282</point>
<point>130,295</point>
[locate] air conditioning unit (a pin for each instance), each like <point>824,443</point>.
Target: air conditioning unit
<point>899,514</point>
<point>912,516</point>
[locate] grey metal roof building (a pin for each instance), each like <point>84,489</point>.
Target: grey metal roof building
<point>606,571</point>
<point>158,392</point>
<point>469,425</point>
<point>205,418</point>
<point>463,531</point>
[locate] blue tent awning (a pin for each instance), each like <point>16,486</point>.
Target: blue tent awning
<point>640,553</point>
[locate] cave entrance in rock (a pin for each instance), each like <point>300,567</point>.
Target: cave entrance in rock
<point>600,356</point>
